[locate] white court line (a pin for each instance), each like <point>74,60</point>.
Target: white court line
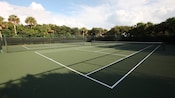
<point>121,79</point>
<point>90,78</point>
<point>97,81</point>
<point>55,50</point>
<point>110,48</point>
<point>63,49</point>
<point>25,47</point>
<point>38,47</point>
<point>118,60</point>
<point>102,52</point>
<point>47,46</point>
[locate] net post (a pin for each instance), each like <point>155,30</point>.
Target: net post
<point>1,41</point>
<point>163,46</point>
<point>5,42</point>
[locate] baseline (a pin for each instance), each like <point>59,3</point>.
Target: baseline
<point>45,47</point>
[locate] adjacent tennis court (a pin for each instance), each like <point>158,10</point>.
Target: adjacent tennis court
<point>96,69</point>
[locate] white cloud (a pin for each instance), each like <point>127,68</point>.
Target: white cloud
<point>36,6</point>
<point>129,12</point>
<point>106,15</point>
<point>37,11</point>
<point>92,16</point>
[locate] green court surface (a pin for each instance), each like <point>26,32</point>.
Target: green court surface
<point>88,71</point>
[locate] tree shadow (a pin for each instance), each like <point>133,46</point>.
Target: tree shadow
<point>124,46</point>
<point>167,50</point>
<point>52,85</point>
<point>149,86</point>
<point>164,49</point>
<point>56,85</point>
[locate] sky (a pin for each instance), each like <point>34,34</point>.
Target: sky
<point>89,13</point>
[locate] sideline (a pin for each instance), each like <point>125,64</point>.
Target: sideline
<point>129,72</point>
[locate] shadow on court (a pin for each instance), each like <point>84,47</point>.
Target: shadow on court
<point>53,86</point>
<point>130,47</point>
<point>72,85</point>
<point>153,79</point>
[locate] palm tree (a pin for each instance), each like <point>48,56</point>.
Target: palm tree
<point>30,21</point>
<point>1,26</point>
<point>84,31</point>
<point>15,21</point>
<point>1,19</point>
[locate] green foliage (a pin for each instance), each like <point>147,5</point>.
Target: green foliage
<point>8,32</point>
<point>1,19</point>
<point>164,31</point>
<point>75,31</point>
<point>141,31</point>
<point>30,21</point>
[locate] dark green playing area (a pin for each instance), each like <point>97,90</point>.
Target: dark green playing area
<point>89,70</point>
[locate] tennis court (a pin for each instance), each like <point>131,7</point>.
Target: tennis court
<point>110,69</point>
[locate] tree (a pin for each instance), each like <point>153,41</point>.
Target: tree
<point>41,30</point>
<point>139,31</point>
<point>15,21</point>
<point>97,32</point>
<point>170,25</point>
<point>1,25</point>
<point>30,21</point>
<point>1,19</point>
<point>84,31</point>
<point>76,31</point>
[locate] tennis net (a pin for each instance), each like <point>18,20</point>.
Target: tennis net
<point>17,44</point>
<point>122,43</point>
